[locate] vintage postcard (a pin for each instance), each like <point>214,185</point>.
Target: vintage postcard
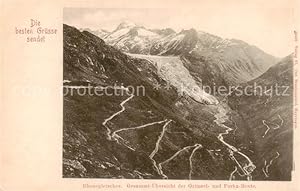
<point>149,95</point>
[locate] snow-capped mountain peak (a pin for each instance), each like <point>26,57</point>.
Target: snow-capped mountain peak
<point>236,60</point>
<point>126,24</point>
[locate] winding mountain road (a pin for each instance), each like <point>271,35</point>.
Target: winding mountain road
<point>221,118</point>
<point>160,165</point>
<point>114,115</point>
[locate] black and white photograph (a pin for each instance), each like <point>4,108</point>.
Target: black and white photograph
<point>204,93</point>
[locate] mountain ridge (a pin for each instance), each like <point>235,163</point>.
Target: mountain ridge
<point>236,60</point>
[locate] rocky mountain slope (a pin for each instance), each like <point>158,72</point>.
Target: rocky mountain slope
<point>269,120</point>
<point>128,136</point>
<point>158,134</point>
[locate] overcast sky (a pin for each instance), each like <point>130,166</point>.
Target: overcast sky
<point>271,29</point>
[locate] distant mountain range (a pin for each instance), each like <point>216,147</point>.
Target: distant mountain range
<point>234,60</point>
